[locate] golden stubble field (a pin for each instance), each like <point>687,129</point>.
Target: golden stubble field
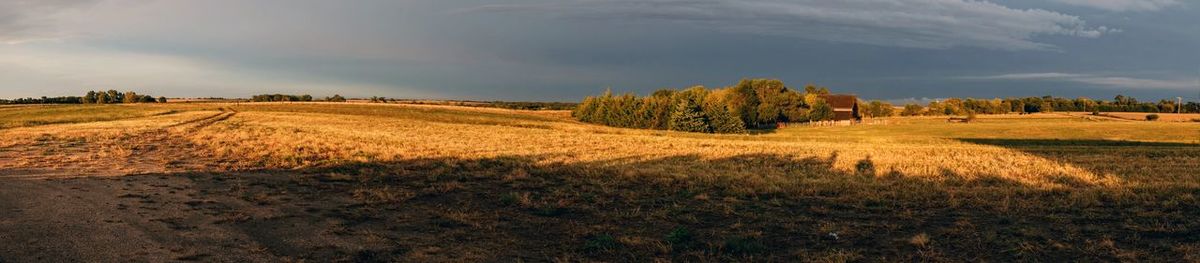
<point>439,183</point>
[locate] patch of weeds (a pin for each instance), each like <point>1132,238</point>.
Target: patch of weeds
<point>509,199</point>
<point>550,211</point>
<point>685,193</point>
<point>600,243</point>
<point>375,256</point>
<point>517,199</point>
<point>335,177</point>
<point>383,195</point>
<point>681,238</point>
<point>193,257</point>
<point>743,246</point>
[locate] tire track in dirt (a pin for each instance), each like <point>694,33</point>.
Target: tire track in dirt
<point>225,114</point>
<point>160,150</point>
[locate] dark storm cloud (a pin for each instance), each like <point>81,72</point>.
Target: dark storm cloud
<point>1124,5</point>
<point>563,50</point>
<point>910,23</point>
<point>22,20</point>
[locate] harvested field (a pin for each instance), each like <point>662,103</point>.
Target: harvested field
<point>361,182</point>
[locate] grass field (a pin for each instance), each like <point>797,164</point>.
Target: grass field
<point>361,182</point>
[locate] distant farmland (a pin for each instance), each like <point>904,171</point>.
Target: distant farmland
<point>386,182</point>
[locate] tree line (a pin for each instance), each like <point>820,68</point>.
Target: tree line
<point>286,97</point>
<point>112,96</point>
<point>44,100</point>
<point>92,97</point>
<point>1120,103</point>
<point>751,103</point>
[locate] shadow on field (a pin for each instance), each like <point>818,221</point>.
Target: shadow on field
<point>1130,160</point>
<point>1072,142</point>
<point>680,208</point>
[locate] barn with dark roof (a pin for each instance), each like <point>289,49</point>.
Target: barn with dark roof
<point>845,107</point>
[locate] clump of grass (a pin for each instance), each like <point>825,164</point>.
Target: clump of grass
<point>600,243</point>
<point>524,200</point>
<point>383,195</point>
<point>1152,117</point>
<point>920,240</point>
<point>743,245</point>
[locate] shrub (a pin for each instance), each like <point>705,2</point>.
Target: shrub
<point>1152,117</point>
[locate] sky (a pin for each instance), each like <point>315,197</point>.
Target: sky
<point>563,50</point>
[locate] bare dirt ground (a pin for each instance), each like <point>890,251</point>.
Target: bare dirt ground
<point>162,202</point>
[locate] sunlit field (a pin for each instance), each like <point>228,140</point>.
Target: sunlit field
<point>330,181</point>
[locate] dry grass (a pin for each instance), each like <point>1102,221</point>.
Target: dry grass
<point>891,184</point>
<point>1163,117</point>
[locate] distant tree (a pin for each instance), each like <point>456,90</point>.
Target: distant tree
<point>1046,107</point>
<point>772,96</point>
<point>689,118</point>
<point>741,101</point>
<point>879,109</point>
<point>114,96</point>
<point>1167,106</point>
<point>162,99</point>
<point>793,108</point>
<point>658,107</point>
<point>821,111</point>
<point>720,120</point>
<point>130,97</point>
<point>102,98</point>
<point>306,97</point>
<point>90,97</point>
<point>1191,107</point>
<point>584,112</point>
<point>912,110</point>
<point>336,98</point>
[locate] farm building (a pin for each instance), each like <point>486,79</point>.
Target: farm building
<point>845,107</point>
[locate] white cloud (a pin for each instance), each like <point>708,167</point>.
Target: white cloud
<point>1110,81</point>
<point>933,24</point>
<point>1124,5</point>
